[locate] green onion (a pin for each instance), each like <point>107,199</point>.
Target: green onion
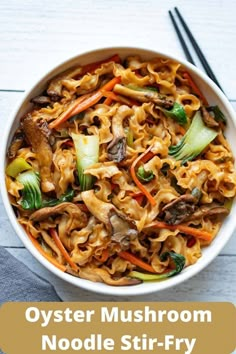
<point>145,176</point>
<point>143,89</point>
<point>129,136</point>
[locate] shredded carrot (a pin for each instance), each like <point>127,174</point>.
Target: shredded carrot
<point>84,102</point>
<point>187,76</point>
<point>90,68</point>
<point>62,249</point>
<point>68,113</point>
<point>136,261</point>
<point>44,254</point>
<point>141,158</point>
<point>148,157</point>
<point>198,233</point>
<point>108,101</point>
<point>104,256</point>
<point>112,96</point>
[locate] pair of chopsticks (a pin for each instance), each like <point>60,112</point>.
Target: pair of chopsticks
<point>198,50</point>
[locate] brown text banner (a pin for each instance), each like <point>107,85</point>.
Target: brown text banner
<point>158,328</point>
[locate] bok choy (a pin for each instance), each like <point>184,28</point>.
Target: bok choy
<point>17,166</point>
<point>177,113</point>
<point>194,141</point>
<point>177,259</point>
<point>87,152</point>
<point>31,193</point>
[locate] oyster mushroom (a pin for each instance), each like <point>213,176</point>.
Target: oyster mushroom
<point>120,227</point>
<point>37,134</point>
<point>179,209</point>
<point>144,96</point>
<point>16,144</point>
<point>117,147</point>
<point>208,118</point>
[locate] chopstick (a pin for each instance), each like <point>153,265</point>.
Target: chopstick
<point>195,45</point>
<point>182,41</point>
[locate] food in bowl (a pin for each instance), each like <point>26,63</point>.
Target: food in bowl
<point>120,172</point>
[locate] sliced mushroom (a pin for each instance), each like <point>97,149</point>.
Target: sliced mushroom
<point>117,147</point>
<point>41,100</point>
<point>208,210</point>
<point>179,209</point>
<point>37,133</point>
<point>16,144</point>
<point>208,118</point>
<point>69,208</point>
<point>120,227</point>
<point>144,96</point>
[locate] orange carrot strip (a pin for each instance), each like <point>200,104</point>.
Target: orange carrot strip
<point>108,101</point>
<point>89,68</point>
<point>136,180</point>
<point>112,95</point>
<point>136,261</point>
<point>104,256</point>
<point>198,233</point>
<point>62,249</point>
<point>195,88</point>
<point>148,157</point>
<point>81,104</point>
<point>68,112</point>
<point>44,254</point>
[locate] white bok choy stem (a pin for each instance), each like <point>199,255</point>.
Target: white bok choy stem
<point>87,153</point>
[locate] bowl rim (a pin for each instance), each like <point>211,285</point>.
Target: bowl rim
<point>100,288</point>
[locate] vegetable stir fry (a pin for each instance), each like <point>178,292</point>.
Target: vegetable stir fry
<point>121,172</point>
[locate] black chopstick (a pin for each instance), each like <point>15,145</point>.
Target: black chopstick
<point>185,48</point>
<point>195,46</point>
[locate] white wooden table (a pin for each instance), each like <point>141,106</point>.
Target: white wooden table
<point>35,35</point>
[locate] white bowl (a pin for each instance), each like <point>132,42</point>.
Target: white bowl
<point>214,96</point>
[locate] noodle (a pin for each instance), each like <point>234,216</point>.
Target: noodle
<point>111,214</point>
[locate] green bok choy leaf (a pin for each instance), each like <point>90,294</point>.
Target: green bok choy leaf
<point>178,260</point>
<point>194,141</point>
<point>31,193</point>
